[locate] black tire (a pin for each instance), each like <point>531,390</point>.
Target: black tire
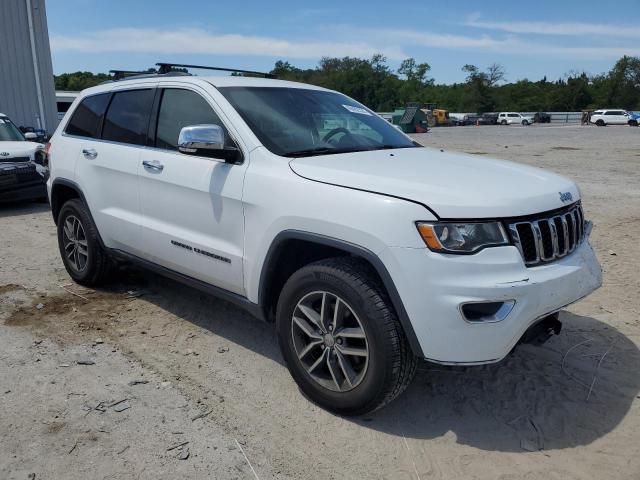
<point>391,364</point>
<point>600,123</point>
<point>525,123</point>
<point>633,123</point>
<point>503,122</point>
<point>97,267</point>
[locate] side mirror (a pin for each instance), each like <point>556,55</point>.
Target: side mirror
<point>30,136</point>
<point>206,140</point>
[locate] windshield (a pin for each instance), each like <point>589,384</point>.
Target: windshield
<point>295,122</point>
<point>9,132</point>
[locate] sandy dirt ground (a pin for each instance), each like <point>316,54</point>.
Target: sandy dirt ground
<point>112,383</point>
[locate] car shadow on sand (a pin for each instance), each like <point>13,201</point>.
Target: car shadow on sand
<point>570,391</point>
<point>26,207</point>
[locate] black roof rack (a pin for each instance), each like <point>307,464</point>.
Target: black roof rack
<point>121,74</point>
<point>166,68</point>
<point>132,75</point>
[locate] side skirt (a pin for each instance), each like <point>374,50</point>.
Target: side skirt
<point>242,302</point>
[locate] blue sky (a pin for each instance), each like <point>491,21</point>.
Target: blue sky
<point>531,39</point>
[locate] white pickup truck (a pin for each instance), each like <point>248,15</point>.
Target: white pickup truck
<point>368,251</point>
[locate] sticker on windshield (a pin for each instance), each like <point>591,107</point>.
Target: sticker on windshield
<point>359,110</point>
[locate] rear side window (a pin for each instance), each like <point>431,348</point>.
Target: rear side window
<point>127,118</point>
<point>181,108</point>
<point>85,121</point>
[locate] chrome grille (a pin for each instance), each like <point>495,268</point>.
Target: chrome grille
<point>544,239</point>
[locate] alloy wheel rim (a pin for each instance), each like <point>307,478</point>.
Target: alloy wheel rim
<point>329,341</point>
<point>75,243</point>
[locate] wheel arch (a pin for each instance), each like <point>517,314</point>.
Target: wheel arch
<point>292,249</point>
<point>63,190</point>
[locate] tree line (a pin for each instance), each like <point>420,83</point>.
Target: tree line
<point>373,83</point>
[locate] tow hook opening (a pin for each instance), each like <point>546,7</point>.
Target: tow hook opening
<point>542,330</point>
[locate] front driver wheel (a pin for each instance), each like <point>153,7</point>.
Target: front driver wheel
<point>525,123</point>
<point>341,339</point>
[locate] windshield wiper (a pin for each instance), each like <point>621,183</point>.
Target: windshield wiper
<point>310,152</point>
<point>329,151</point>
<point>390,147</point>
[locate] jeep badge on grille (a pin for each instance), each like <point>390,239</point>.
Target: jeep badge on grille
<point>565,196</point>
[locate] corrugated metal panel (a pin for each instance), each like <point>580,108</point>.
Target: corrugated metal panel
<point>18,91</point>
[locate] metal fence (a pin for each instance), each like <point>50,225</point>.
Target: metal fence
<point>561,117</point>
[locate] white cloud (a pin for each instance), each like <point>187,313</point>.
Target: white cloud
<point>511,44</point>
<point>335,41</point>
<point>196,41</point>
<point>589,30</point>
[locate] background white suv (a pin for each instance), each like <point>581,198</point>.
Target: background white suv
<point>610,117</point>
<point>511,118</point>
<point>23,168</point>
<point>301,205</point>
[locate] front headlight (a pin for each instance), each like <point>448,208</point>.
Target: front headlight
<point>452,237</point>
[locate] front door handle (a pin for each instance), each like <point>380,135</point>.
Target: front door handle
<point>153,165</point>
<point>89,153</point>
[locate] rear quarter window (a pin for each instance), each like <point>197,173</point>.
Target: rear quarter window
<point>85,120</point>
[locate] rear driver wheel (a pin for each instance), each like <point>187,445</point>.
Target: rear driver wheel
<point>341,339</point>
<point>84,258</point>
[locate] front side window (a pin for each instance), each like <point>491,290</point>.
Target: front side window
<point>127,119</point>
<point>9,132</point>
<point>178,109</point>
<point>298,122</point>
<point>85,120</point>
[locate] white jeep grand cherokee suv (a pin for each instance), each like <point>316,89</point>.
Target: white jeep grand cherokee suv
<point>368,251</point>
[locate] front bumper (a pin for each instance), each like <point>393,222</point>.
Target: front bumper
<point>433,286</point>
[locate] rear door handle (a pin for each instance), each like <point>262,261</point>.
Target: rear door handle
<point>89,153</point>
<point>153,165</point>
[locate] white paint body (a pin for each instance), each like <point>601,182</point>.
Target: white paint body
<point>368,199</point>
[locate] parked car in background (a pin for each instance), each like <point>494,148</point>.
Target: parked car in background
<point>513,118</point>
<point>468,120</point>
<point>489,119</point>
<point>541,117</point>
<point>610,116</point>
<point>23,164</point>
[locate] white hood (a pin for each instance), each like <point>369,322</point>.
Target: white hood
<point>453,185</point>
<point>18,149</point>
